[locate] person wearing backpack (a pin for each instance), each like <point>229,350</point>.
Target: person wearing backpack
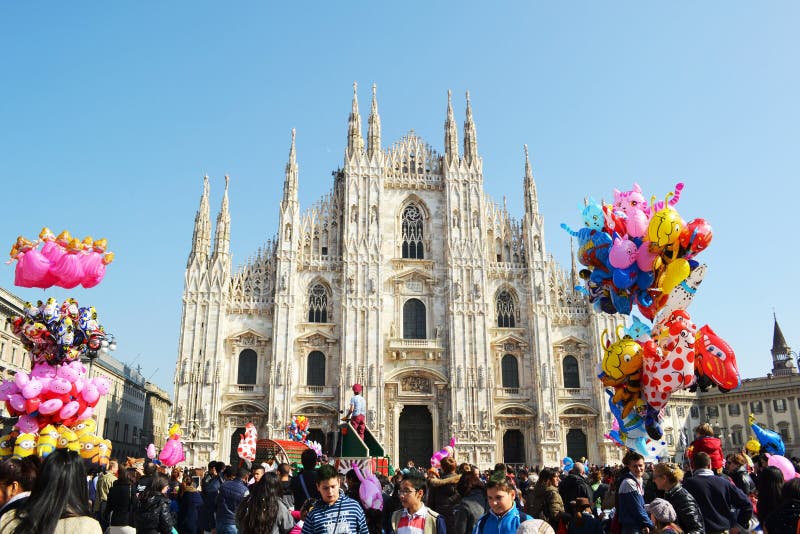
<point>543,500</point>
<point>473,503</point>
<point>503,517</point>
<point>415,517</point>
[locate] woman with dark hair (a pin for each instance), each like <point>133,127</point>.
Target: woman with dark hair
<point>189,506</point>
<point>152,515</point>
<point>17,477</point>
<point>263,511</point>
<point>472,505</point>
<point>785,517</point>
<point>59,501</point>
<point>543,500</point>
<point>769,486</point>
<point>121,502</point>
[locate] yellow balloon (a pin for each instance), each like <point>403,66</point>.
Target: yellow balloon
<point>752,446</point>
<point>676,272</point>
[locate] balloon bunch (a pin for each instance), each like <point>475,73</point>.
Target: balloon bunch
<point>80,438</point>
<point>441,454</point>
<point>297,430</point>
<point>172,453</point>
<point>247,443</point>
<point>635,252</point>
<point>55,333</point>
<point>315,446</point>
<point>62,261</point>
<point>49,394</point>
<point>642,254</point>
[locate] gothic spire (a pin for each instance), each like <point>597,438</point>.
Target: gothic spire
<point>574,276</point>
<point>779,345</point>
<point>290,181</point>
<point>450,132</point>
<point>531,200</point>
<point>355,143</point>
<point>222,239</point>
<point>201,238</point>
<point>374,132</point>
<point>470,136</point>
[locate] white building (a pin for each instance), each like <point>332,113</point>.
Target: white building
<point>406,278</point>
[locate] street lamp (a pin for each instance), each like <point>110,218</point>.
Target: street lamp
<point>101,343</point>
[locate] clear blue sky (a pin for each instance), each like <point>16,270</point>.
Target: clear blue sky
<point>111,112</point>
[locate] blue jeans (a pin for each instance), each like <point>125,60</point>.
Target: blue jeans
<point>227,529</point>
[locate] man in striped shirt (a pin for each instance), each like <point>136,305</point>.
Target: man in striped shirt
<point>336,513</point>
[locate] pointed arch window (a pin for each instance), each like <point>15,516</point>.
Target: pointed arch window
<point>413,233</point>
<point>248,364</point>
<point>506,310</point>
<point>510,370</point>
<point>414,319</point>
<point>315,369</point>
<point>318,304</point>
<point>572,378</point>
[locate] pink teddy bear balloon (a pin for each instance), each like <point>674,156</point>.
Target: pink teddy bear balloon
<point>370,491</point>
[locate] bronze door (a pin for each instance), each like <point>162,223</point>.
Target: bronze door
<point>416,435</point>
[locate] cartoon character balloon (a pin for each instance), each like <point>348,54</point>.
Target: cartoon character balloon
<point>771,442</point>
<point>247,443</point>
<point>172,453</point>
<point>441,454</point>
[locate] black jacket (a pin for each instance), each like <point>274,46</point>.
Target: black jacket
<point>188,511</point>
<point>784,518</point>
<point>717,499</point>
<point>310,478</point>
<point>571,488</point>
<point>120,505</point>
<point>152,515</point>
<point>689,517</point>
<point>743,481</point>
<point>443,497</point>
<point>472,506</point>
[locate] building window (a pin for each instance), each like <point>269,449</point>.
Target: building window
<point>756,407</point>
<point>318,304</point>
<point>510,371</point>
<point>681,411</point>
<point>569,367</point>
<point>712,411</point>
<point>506,310</point>
<point>695,412</point>
<point>783,430</point>
<point>736,435</point>
<point>734,409</point>
<point>670,439</point>
<point>116,430</point>
<point>248,363</point>
<point>414,319</point>
<point>779,405</point>
<point>413,233</point>
<point>125,435</point>
<point>666,411</point>
<point>315,372</point>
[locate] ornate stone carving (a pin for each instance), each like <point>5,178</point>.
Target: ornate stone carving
<point>416,384</point>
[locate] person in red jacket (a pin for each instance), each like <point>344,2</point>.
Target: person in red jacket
<point>707,443</point>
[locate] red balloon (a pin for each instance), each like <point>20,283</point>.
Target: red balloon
<point>695,237</point>
<point>31,405</point>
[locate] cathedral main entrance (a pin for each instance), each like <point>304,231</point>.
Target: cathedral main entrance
<point>415,435</point>
<point>576,444</point>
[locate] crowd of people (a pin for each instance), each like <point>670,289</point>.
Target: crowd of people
<point>711,495</point>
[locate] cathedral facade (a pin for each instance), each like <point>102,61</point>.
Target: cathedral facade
<point>408,279</point>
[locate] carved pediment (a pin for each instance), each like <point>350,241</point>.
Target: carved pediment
<point>248,338</point>
<point>316,338</point>
<point>571,345</point>
<point>510,343</point>
<point>412,280</point>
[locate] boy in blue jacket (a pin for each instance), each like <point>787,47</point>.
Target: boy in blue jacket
<point>503,516</point>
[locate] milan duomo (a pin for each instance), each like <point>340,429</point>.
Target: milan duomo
<point>406,278</point>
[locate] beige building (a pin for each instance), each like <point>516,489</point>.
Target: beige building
<point>120,414</point>
<point>13,356</point>
<point>157,407</point>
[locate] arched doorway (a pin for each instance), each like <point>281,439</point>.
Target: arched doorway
<point>316,434</point>
<point>513,447</point>
<point>576,444</point>
<point>234,459</point>
<point>416,435</point>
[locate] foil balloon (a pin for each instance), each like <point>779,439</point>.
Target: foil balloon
<point>622,369</point>
<point>247,443</point>
<point>25,445</point>
<point>716,359</point>
<point>665,226</point>
<point>441,454</point>
<point>784,464</point>
<point>771,442</point>
<point>151,451</point>
<point>370,492</point>
<point>47,441</point>
<point>172,452</point>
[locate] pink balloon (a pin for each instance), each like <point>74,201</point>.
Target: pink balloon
<point>50,406</point>
<point>60,386</point>
<point>645,258</point>
<point>69,409</point>
<point>7,388</point>
<point>68,271</point>
<point>623,253</point>
<point>784,465</point>
<point>37,269</point>
<point>21,379</point>
<point>17,402</point>
<point>27,424</point>
<point>102,384</point>
<point>94,269</point>
<point>32,389</point>
<point>90,393</point>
